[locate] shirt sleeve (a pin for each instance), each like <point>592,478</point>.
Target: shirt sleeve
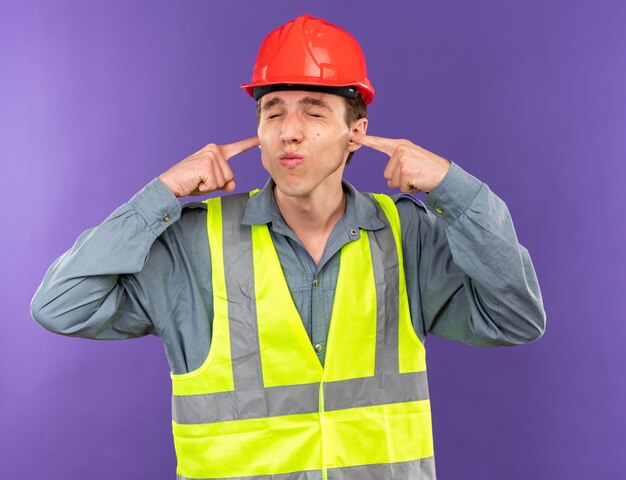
<point>468,277</point>
<point>94,290</point>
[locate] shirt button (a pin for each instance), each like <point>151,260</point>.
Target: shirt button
<point>316,282</point>
<point>353,232</point>
<point>318,347</point>
<point>438,210</point>
<point>167,218</point>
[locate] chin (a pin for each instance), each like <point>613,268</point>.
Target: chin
<point>292,189</point>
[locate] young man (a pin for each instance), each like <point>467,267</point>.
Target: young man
<point>294,317</point>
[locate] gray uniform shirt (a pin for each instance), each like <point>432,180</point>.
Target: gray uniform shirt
<point>147,270</point>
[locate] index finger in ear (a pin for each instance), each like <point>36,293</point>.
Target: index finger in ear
<point>382,144</point>
<point>231,149</point>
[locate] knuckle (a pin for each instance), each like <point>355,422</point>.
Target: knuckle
<point>210,156</point>
<point>402,149</point>
<point>216,174</point>
<point>211,149</point>
<point>405,170</point>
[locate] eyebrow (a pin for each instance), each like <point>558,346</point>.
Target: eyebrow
<point>304,101</point>
<point>315,102</point>
<point>270,103</point>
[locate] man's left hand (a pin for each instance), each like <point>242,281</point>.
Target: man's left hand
<point>410,167</point>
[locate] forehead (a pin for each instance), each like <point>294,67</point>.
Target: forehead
<point>301,98</point>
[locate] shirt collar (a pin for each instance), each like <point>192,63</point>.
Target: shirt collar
<point>361,213</point>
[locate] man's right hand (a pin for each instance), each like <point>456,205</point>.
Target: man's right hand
<point>206,170</point>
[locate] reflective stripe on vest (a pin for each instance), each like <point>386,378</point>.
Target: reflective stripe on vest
<point>263,407</point>
<point>417,469</point>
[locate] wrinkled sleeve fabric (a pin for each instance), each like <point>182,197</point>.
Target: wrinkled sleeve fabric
<point>468,277</point>
<point>113,282</point>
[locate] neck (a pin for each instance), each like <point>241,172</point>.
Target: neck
<point>312,217</point>
<point>312,212</point>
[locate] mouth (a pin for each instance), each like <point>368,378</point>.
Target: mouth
<point>290,160</point>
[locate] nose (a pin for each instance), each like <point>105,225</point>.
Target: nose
<point>291,129</point>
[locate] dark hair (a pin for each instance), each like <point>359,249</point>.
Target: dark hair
<point>355,109</point>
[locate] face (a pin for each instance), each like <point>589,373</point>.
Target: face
<point>305,141</point>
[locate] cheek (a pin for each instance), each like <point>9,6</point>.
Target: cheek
<point>265,134</point>
<point>342,140</point>
<point>264,161</point>
<point>264,156</point>
<point>265,145</point>
<point>261,133</point>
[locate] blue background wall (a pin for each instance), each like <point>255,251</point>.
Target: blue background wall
<point>98,98</point>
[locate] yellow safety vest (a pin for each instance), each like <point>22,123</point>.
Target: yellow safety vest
<point>262,407</point>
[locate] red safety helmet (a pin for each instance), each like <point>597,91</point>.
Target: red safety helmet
<point>311,51</point>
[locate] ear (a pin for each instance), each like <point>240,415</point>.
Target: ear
<point>358,126</point>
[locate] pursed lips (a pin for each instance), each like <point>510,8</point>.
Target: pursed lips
<point>290,160</point>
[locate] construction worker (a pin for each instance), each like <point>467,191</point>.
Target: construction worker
<point>294,317</point>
